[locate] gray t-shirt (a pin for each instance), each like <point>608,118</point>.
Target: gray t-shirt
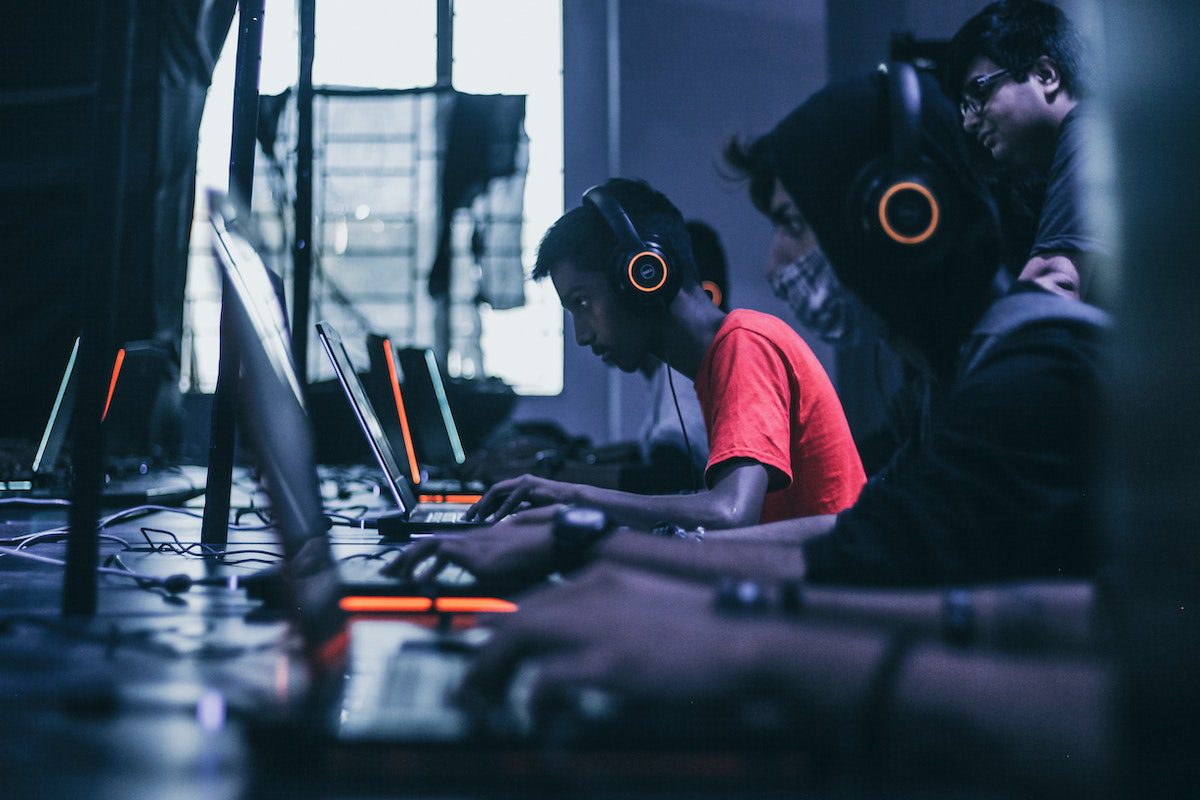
<point>1064,223</point>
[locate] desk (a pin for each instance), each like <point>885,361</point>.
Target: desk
<point>137,701</point>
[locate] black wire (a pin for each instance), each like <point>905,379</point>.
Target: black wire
<point>201,550</point>
<point>687,442</point>
<point>373,556</point>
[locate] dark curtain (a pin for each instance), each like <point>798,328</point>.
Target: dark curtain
<point>47,103</point>
<point>482,139</point>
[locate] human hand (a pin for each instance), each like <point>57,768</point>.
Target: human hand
<point>505,497</point>
<point>519,549</point>
<point>637,635</point>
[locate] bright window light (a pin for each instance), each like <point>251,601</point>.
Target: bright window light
<point>511,47</point>
<point>515,47</point>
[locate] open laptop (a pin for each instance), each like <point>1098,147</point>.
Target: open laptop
<point>406,388</point>
<point>354,665</point>
<point>434,431</point>
<point>413,516</point>
<point>128,481</point>
<point>287,449</point>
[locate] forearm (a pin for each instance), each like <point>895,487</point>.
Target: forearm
<point>703,561</point>
<point>643,512</point>
<point>787,531</point>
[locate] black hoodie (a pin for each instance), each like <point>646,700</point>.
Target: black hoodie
<point>997,487</point>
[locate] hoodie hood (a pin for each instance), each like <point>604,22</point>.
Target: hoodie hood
<point>821,148</point>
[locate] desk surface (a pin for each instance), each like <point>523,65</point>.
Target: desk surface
<point>141,700</point>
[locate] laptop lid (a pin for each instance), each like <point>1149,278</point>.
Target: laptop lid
<point>368,420</point>
<point>58,425</point>
<point>273,415</point>
<point>55,433</point>
<point>434,430</point>
<point>387,395</point>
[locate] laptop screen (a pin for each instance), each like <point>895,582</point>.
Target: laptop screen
<point>274,416</point>
<point>428,409</point>
<point>131,414</point>
<point>364,412</point>
<point>387,395</point>
<point>55,433</point>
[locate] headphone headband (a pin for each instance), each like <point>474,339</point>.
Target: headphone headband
<point>618,221</point>
<point>897,198</point>
<point>904,102</point>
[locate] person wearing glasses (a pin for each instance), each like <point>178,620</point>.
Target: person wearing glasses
<point>1018,70</point>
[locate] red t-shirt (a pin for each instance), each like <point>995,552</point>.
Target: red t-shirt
<point>766,397</point>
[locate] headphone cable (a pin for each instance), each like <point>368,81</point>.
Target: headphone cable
<point>687,442</point>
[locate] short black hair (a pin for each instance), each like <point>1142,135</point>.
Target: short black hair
<point>582,237</point>
<point>1014,34</point>
<point>753,160</point>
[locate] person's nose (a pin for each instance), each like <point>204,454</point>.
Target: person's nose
<point>584,335</point>
<point>783,252</point>
<point>970,121</point>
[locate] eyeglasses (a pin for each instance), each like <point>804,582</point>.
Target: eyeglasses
<point>979,91</point>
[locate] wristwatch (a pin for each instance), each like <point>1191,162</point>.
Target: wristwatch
<point>575,530</point>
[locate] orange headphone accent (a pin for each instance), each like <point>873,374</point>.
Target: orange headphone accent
<point>714,292</point>
<point>929,198</point>
<point>633,280</point>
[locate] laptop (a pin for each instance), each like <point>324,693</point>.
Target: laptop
<point>412,516</point>
<point>359,577</point>
<point>421,428</point>
<point>129,481</point>
<point>350,662</point>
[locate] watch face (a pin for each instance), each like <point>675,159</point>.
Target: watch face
<point>580,526</point>
<point>590,518</point>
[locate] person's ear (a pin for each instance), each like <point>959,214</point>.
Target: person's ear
<point>1045,72</point>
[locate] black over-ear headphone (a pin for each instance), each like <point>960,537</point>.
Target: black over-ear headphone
<point>899,199</point>
<point>642,271</point>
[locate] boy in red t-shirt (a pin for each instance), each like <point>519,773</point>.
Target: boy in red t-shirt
<point>779,443</point>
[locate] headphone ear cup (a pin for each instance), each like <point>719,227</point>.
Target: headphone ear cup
<point>647,276</point>
<point>901,213</point>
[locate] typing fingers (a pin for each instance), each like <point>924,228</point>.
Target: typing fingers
<point>414,554</point>
<point>512,502</point>
<point>491,499</point>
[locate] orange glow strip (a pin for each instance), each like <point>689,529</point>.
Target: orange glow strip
<point>356,604</point>
<point>413,469</point>
<point>450,498</point>
<point>480,605</point>
<point>112,384</point>
<point>407,605</point>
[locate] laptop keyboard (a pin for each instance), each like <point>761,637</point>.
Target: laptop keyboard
<point>440,515</point>
<point>369,571</point>
<point>402,683</point>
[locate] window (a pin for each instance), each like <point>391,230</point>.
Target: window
<point>512,47</point>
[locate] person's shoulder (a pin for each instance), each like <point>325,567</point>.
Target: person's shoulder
<point>1061,333</point>
<point>745,319</point>
<point>1071,137</point>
